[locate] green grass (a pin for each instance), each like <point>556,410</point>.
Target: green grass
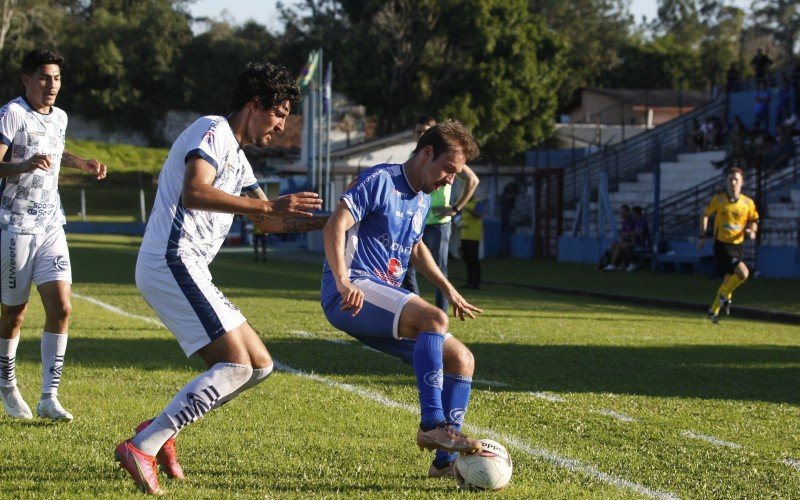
<point>297,437</point>
<point>121,158</point>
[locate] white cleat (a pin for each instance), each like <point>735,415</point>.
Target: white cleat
<point>52,409</point>
<point>15,406</point>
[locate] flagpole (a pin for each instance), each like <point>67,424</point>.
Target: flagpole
<point>329,95</point>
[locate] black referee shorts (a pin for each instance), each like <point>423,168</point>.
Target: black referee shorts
<point>726,257</point>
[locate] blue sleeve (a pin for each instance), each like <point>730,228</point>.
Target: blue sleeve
<point>368,195</point>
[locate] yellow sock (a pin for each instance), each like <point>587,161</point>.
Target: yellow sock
<point>715,305</point>
<point>733,284</point>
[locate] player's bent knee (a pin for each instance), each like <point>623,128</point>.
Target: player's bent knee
<point>436,320</point>
<point>458,358</point>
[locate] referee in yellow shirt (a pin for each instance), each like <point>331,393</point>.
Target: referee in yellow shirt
<point>735,217</point>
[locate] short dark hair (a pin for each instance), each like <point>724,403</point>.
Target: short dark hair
<point>271,84</point>
<point>637,209</point>
<point>40,57</point>
<point>425,120</point>
<point>736,170</point>
<point>448,136</point>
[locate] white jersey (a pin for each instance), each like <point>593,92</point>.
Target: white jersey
<point>30,203</point>
<point>176,231</point>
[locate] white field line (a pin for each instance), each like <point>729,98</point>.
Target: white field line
<point>490,383</point>
<point>308,335</point>
<point>792,462</point>
<point>619,416</point>
<point>548,396</point>
<point>710,439</point>
<point>570,464</point>
<point>109,307</point>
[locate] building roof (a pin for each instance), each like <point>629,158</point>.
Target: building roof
<point>658,98</point>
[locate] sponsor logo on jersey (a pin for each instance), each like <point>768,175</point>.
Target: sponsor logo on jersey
<point>387,242</point>
<point>60,263</point>
<point>416,222</point>
<point>209,135</point>
<point>434,378</point>
<point>12,263</point>
<point>395,268</point>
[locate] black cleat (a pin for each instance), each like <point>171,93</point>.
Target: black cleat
<point>713,317</point>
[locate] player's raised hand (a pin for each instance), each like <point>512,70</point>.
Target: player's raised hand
<point>352,297</point>
<point>36,162</point>
<point>462,308</point>
<point>96,168</point>
<point>302,204</point>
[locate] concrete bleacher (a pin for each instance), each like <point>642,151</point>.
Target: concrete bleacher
<point>688,170</point>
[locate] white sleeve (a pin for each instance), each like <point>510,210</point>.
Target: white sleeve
<point>204,141</point>
<point>11,120</point>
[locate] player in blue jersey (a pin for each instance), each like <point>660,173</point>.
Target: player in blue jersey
<point>370,238</point>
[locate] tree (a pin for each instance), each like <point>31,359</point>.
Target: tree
<point>781,20</point>
<point>488,63</point>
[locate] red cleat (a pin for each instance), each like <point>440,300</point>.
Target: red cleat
<point>167,456</point>
<point>141,467</point>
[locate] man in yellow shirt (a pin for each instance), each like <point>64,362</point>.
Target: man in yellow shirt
<point>735,217</point>
<point>471,235</point>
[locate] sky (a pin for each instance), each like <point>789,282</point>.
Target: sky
<point>264,12</point>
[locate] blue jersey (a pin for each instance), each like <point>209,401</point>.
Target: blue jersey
<point>390,220</point>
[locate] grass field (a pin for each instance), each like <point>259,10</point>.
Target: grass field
<point>594,399</point>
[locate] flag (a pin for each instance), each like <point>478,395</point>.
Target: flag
<point>326,90</point>
<point>308,71</point>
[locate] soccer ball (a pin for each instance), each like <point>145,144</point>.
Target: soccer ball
<point>489,469</point>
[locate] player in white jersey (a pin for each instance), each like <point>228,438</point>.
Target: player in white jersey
<point>205,180</point>
<point>33,247</point>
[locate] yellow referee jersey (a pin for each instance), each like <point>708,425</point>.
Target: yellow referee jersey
<point>731,217</point>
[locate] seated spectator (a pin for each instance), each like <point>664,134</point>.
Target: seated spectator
<point>781,151</point>
<point>737,146</point>
<point>642,240</point>
<point>618,255</point>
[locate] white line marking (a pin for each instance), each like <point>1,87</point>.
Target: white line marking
<point>710,439</point>
<point>792,462</point>
<point>109,307</point>
<point>492,383</point>
<point>619,416</point>
<point>301,333</point>
<point>567,463</point>
<point>548,396</point>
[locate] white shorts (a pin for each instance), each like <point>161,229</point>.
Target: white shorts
<point>31,258</point>
<point>185,299</point>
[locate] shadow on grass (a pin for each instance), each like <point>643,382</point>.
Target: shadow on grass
<point>764,373</point>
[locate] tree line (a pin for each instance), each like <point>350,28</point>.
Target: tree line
<point>503,67</point>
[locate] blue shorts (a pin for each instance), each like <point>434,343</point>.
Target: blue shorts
<point>376,325</point>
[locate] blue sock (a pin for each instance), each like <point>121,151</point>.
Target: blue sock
<point>428,366</point>
<point>455,398</point>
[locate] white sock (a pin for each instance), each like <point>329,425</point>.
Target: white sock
<point>193,401</point>
<point>259,375</point>
<point>54,345</point>
<point>8,356</point>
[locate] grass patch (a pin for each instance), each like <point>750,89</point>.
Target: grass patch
<point>295,437</point>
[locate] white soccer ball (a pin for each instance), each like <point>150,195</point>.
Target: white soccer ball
<point>489,469</point>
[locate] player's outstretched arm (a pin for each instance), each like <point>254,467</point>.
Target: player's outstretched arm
<point>200,194</point>
<point>284,224</point>
<point>423,260</point>
<point>93,167</point>
<point>35,162</point>
<point>334,235</point>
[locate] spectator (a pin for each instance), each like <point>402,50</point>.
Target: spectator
<point>761,63</point>
<point>732,76</point>
<point>259,240</point>
<point>737,145</point>
<point>642,241</point>
<point>508,200</point>
<point>471,235</point>
<point>780,151</point>
<point>784,98</point>
<point>618,253</point>
<point>696,136</point>
<point>761,107</point>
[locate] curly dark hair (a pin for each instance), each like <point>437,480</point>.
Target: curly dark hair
<point>271,84</point>
<point>39,57</point>
<point>450,135</point>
